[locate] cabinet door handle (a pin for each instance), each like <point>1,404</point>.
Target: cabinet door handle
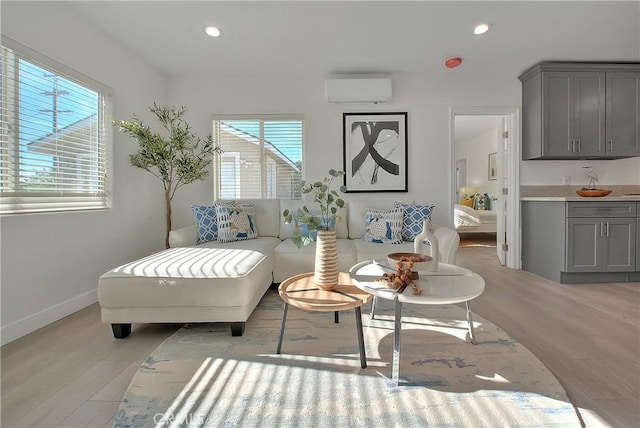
<point>601,228</point>
<point>607,228</point>
<point>573,146</point>
<point>610,146</point>
<point>578,141</point>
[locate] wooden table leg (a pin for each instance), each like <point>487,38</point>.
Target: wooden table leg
<point>284,320</point>
<point>363,356</point>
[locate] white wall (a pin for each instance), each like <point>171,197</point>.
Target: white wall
<point>476,150</point>
<point>610,172</point>
<point>427,101</point>
<point>51,262</point>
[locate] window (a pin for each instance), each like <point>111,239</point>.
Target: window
<point>53,141</point>
<point>262,157</point>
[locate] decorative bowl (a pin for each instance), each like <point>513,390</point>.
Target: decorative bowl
<point>593,192</point>
<point>420,261</point>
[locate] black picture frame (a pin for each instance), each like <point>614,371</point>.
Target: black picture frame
<point>375,152</point>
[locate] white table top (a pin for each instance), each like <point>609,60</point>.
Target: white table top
<point>449,284</point>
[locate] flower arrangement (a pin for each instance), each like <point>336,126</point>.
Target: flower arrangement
<point>309,222</point>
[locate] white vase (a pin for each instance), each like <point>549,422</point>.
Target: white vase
<point>325,273</point>
<point>418,245</point>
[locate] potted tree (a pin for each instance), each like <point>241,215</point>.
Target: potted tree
<point>177,158</point>
<point>320,224</point>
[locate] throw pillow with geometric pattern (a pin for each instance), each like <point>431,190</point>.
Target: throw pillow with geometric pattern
<point>236,223</point>
<point>413,217</point>
<point>383,227</point>
<point>206,222</point>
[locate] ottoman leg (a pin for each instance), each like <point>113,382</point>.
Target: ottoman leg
<point>120,331</point>
<point>237,328</point>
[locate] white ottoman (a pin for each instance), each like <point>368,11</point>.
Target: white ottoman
<point>190,284</point>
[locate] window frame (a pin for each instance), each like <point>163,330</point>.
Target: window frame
<point>19,202</point>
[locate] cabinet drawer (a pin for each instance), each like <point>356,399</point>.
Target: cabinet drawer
<point>601,209</point>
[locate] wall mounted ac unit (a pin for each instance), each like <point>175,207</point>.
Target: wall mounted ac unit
<point>358,90</point>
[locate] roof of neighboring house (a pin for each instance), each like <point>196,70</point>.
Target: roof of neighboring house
<point>250,138</point>
<point>65,134</point>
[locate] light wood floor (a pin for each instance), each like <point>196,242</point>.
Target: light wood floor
<point>73,373</point>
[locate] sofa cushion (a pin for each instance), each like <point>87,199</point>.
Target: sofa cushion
<point>267,214</point>
<point>413,218</point>
<point>371,251</point>
<point>357,213</point>
<point>383,227</point>
<point>286,230</point>
<point>236,223</point>
<point>206,222</point>
<point>291,260</point>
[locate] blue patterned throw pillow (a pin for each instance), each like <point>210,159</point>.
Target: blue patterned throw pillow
<point>206,222</point>
<point>413,216</point>
<point>383,227</point>
<point>236,223</point>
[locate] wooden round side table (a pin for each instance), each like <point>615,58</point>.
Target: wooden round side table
<point>300,291</point>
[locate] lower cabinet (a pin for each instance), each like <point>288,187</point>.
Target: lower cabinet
<point>601,244</point>
<point>588,241</point>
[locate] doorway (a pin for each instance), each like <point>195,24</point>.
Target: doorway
<point>485,142</point>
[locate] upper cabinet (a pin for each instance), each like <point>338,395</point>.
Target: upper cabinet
<point>581,111</point>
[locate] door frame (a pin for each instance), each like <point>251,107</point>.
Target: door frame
<point>512,164</point>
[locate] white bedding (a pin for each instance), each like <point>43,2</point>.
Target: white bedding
<point>468,220</point>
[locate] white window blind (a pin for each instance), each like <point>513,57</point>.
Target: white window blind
<point>262,157</point>
<point>53,146</point>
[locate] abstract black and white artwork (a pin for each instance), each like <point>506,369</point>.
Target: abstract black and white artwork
<point>375,152</point>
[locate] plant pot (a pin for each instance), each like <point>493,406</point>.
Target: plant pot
<point>326,264</point>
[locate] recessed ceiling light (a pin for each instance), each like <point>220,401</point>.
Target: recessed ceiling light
<point>482,28</point>
<point>212,31</point>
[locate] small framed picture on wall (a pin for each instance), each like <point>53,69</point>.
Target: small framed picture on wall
<point>375,152</point>
<point>493,167</point>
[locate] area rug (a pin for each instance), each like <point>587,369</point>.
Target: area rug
<point>202,376</point>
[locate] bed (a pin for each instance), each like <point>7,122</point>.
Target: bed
<point>468,220</point>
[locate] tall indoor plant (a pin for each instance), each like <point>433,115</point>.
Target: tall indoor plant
<point>321,223</point>
<point>177,158</point>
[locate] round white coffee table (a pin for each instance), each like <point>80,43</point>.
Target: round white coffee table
<point>450,284</point>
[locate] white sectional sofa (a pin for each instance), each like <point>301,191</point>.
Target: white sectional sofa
<point>223,282</point>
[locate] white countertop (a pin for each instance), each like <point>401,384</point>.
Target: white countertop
<point>609,198</point>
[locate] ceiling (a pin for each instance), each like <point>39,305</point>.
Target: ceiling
<point>331,38</point>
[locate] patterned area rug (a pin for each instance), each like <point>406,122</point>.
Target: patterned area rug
<point>201,376</point>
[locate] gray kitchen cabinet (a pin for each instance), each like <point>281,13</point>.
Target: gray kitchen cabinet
<point>573,114</point>
<point>601,244</point>
<point>638,245</point>
<point>571,242</point>
<point>580,111</point>
<point>623,113</point>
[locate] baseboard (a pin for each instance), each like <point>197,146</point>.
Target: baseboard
<point>31,323</point>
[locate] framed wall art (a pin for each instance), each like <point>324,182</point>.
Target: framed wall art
<point>375,152</point>
<point>493,168</point>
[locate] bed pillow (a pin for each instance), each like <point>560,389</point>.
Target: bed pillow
<point>236,223</point>
<point>382,226</point>
<point>413,217</point>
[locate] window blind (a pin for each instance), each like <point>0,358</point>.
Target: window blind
<point>53,143</point>
<point>262,157</point>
